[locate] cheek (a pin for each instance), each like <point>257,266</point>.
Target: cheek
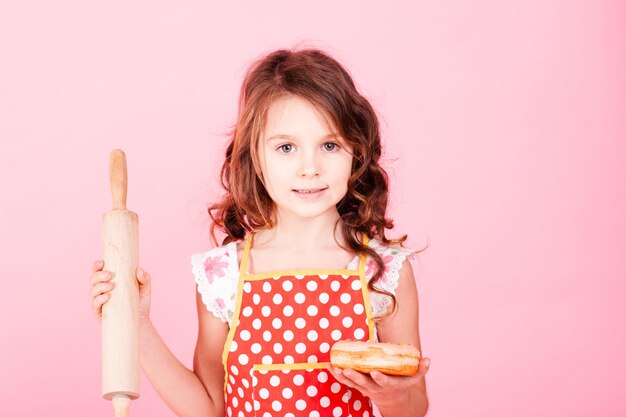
<point>346,170</point>
<point>342,173</point>
<point>269,176</point>
<point>274,179</point>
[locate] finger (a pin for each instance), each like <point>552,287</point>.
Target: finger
<point>102,288</point>
<point>381,379</point>
<point>358,379</point>
<point>97,266</point>
<point>339,376</point>
<point>100,276</point>
<point>97,303</point>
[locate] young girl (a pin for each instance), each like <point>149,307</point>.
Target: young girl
<point>305,261</point>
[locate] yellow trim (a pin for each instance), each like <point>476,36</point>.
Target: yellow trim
<point>243,265</point>
<point>233,328</point>
<point>366,295</point>
<point>244,276</point>
<point>289,366</point>
<point>294,272</point>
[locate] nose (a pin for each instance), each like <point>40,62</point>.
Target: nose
<point>308,165</point>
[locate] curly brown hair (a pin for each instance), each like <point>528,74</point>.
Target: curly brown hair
<point>314,76</point>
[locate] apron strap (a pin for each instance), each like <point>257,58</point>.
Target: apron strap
<point>243,265</point>
<point>366,296</point>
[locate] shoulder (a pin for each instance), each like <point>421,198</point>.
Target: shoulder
<point>214,263</point>
<point>393,257</point>
<point>390,250</point>
<point>215,272</point>
<point>396,265</point>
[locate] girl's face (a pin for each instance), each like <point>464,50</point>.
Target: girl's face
<point>304,162</point>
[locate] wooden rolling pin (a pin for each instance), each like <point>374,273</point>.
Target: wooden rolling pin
<point>120,319</point>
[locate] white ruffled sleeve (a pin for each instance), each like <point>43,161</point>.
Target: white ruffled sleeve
<point>216,273</point>
<point>393,258</point>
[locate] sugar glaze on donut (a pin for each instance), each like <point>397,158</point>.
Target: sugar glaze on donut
<point>387,358</point>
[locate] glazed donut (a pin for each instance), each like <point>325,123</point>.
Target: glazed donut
<point>365,357</point>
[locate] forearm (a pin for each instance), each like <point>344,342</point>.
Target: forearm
<point>413,404</point>
<point>179,387</point>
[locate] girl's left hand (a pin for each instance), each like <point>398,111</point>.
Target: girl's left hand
<point>381,388</point>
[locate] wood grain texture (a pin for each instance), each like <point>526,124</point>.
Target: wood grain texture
<point>118,176</point>
<point>120,319</point>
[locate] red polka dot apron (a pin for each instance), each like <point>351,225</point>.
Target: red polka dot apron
<point>278,345</point>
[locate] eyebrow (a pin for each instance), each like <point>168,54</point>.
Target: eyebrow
<point>290,137</point>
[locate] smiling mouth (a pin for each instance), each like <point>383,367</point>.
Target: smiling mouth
<point>309,190</point>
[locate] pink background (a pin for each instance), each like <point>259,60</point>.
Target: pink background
<point>505,140</point>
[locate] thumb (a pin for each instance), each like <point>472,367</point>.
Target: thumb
<point>424,365</point>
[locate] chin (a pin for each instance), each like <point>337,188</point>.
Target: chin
<point>310,214</point>
<point>313,212</point>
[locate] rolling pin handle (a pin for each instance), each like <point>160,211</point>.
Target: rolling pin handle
<point>118,178</point>
<point>121,405</point>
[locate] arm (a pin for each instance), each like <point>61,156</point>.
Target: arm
<point>396,396</point>
<point>188,393</point>
<point>207,360</point>
<point>403,327</point>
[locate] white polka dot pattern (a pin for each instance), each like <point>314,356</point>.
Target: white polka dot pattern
<point>307,392</point>
<point>294,320</point>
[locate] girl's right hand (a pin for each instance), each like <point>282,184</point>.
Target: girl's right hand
<point>101,287</point>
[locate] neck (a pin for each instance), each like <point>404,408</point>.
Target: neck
<point>295,232</point>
